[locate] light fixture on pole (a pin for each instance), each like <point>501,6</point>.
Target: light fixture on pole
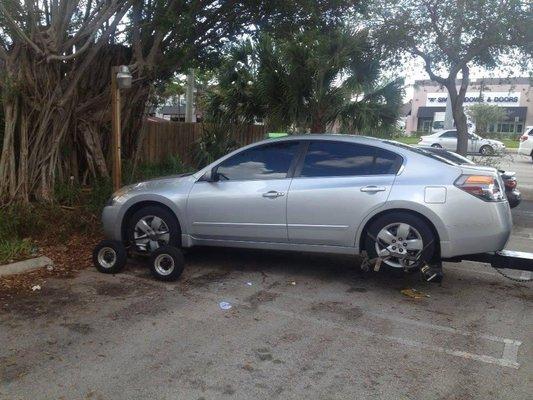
<point>120,79</point>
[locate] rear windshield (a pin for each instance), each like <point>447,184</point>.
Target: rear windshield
<point>420,151</point>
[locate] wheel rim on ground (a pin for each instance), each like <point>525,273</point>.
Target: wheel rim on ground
<point>107,257</point>
<point>150,233</point>
<point>164,264</point>
<point>401,239</point>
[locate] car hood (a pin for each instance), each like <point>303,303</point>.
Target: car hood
<point>152,186</point>
<point>156,183</point>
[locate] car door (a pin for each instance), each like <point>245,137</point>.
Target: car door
<point>335,187</point>
<point>448,140</point>
<point>248,202</point>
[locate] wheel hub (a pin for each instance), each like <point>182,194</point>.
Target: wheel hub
<point>164,264</point>
<point>150,233</point>
<point>107,257</point>
<point>399,244</point>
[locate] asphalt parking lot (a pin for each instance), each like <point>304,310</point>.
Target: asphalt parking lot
<point>299,326</point>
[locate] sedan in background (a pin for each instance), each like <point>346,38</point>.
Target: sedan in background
<point>447,139</point>
<point>526,142</point>
<point>509,179</point>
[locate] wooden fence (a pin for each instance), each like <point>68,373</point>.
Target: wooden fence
<point>161,139</point>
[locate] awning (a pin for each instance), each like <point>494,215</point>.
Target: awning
<point>428,112</point>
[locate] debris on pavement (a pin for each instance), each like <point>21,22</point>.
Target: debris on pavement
<point>224,305</point>
<point>35,287</point>
<point>413,293</point>
<point>293,283</point>
<point>249,283</point>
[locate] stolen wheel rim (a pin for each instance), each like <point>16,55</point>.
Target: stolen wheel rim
<point>399,240</point>
<point>107,257</point>
<point>150,233</point>
<point>164,264</point>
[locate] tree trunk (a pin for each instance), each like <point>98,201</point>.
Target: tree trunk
<point>457,100</point>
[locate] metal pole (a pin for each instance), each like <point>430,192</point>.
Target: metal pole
<point>189,97</point>
<point>115,125</point>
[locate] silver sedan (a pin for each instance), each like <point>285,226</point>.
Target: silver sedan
<point>321,193</point>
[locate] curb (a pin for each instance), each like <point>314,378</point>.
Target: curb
<point>25,266</point>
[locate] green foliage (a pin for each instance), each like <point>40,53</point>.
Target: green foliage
<point>449,34</point>
<point>100,193</point>
<point>216,141</point>
<point>484,115</point>
<point>67,194</point>
<point>170,166</point>
<point>451,37</point>
<point>15,249</point>
<point>306,82</point>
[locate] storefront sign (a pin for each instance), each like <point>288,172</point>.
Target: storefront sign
<point>508,99</point>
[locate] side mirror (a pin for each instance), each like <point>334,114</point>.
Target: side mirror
<point>211,176</point>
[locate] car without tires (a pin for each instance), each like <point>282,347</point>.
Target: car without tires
<point>447,139</point>
<point>320,193</point>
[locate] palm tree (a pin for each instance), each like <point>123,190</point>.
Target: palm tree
<point>308,82</point>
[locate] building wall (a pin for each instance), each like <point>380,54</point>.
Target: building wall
<point>520,86</point>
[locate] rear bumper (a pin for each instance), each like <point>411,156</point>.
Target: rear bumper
<point>486,229</point>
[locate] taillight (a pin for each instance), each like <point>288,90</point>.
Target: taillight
<point>485,187</point>
<point>523,138</point>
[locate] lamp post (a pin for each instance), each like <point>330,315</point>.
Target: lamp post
<point>120,79</point>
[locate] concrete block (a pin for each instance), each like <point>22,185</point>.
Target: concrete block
<point>25,266</point>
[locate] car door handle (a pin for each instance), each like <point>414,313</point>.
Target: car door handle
<point>273,194</point>
<point>373,189</point>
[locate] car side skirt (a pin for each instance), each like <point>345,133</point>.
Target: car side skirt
<point>189,241</point>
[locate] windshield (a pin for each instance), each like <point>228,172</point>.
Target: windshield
<point>420,151</point>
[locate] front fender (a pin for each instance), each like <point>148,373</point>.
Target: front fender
<point>177,206</point>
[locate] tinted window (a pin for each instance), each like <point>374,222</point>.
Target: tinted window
<point>449,134</point>
<point>270,161</point>
<point>344,159</point>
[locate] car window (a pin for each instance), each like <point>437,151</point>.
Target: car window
<point>449,134</point>
<point>328,158</point>
<point>271,161</point>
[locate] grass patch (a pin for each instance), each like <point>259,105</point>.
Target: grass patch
<point>510,143</point>
<point>408,139</point>
<point>15,249</point>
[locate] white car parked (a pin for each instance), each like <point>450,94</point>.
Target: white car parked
<point>447,139</point>
<point>526,142</point>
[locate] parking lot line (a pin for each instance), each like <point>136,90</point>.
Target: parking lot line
<point>506,360</point>
<point>509,357</point>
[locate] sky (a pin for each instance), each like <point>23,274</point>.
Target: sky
<point>414,70</point>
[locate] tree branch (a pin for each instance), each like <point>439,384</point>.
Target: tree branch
<point>13,24</point>
<point>427,66</point>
